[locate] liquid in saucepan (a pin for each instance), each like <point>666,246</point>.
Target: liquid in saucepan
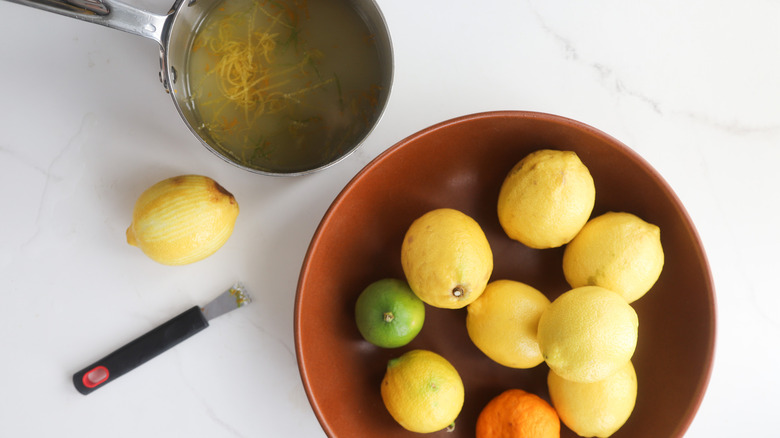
<point>284,86</point>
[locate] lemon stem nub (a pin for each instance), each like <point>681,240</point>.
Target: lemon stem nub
<point>388,316</point>
<point>451,427</point>
<point>457,292</point>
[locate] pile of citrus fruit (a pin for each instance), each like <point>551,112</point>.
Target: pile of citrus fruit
<point>586,336</point>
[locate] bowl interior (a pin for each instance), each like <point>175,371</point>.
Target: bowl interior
<point>461,164</point>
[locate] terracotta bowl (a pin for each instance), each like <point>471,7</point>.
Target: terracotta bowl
<point>461,164</point>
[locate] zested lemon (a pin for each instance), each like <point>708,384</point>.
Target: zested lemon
<point>446,258</point>
<point>617,251</point>
<point>182,219</point>
<point>503,322</point>
<point>588,333</point>
<point>422,391</point>
<point>595,409</point>
<point>546,199</point>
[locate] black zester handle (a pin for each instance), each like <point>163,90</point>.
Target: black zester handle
<point>140,350</point>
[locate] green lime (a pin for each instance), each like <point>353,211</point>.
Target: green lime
<point>389,314</point>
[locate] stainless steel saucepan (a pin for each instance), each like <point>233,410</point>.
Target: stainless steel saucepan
<point>175,32</point>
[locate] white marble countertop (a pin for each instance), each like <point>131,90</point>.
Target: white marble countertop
<point>85,126</point>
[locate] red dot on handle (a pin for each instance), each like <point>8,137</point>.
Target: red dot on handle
<point>95,376</point>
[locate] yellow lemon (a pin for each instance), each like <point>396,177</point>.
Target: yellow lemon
<point>446,258</point>
<point>595,409</point>
<point>503,322</point>
<point>182,219</point>
<point>422,391</point>
<point>587,333</point>
<point>617,251</point>
<point>546,199</point>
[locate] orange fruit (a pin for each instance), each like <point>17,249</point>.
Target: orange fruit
<point>517,413</point>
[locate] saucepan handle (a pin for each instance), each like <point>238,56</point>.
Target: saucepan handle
<point>110,13</point>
